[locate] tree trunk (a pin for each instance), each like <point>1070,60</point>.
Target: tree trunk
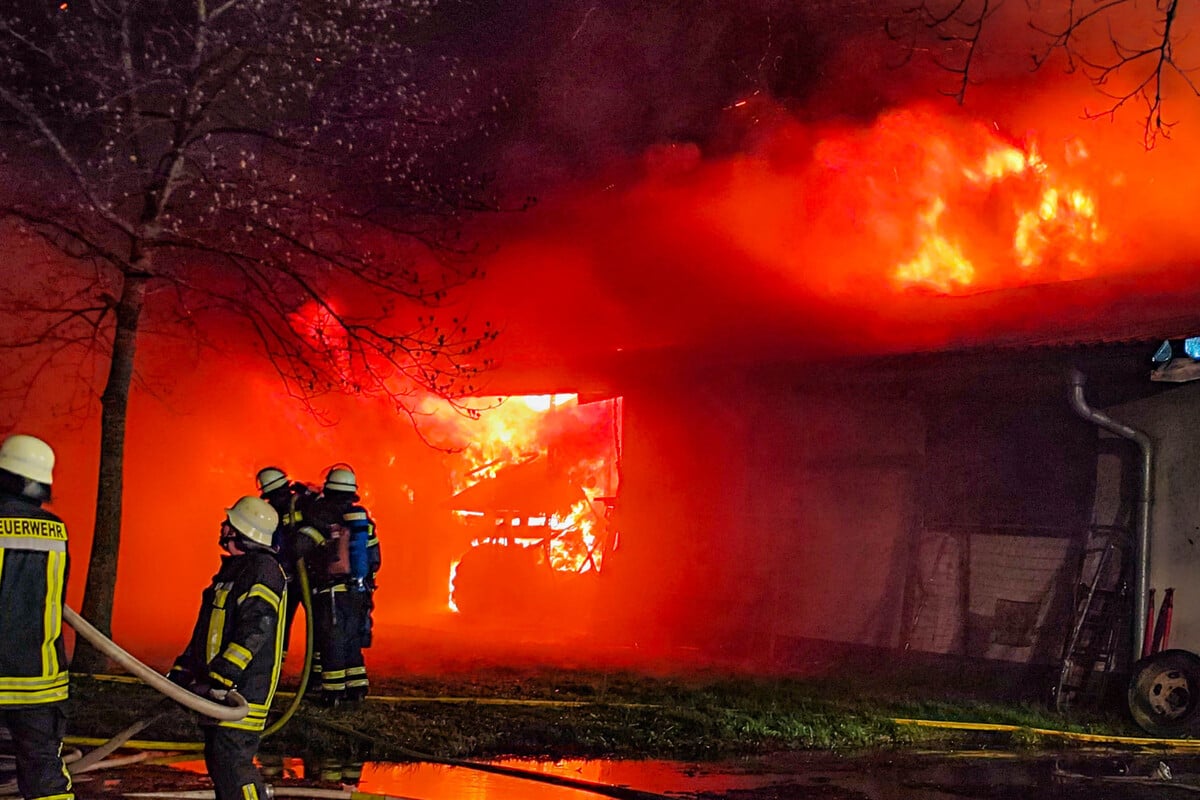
<point>102,565</point>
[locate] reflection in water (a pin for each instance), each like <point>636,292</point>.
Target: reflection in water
<point>438,781</point>
<point>442,782</point>
<point>880,775</point>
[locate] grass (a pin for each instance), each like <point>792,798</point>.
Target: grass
<point>560,713</point>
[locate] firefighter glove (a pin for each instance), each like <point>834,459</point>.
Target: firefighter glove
<point>217,695</point>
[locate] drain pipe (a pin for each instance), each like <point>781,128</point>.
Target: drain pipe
<point>1141,582</point>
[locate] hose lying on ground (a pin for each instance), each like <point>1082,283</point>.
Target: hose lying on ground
<point>95,757</point>
<point>607,790</point>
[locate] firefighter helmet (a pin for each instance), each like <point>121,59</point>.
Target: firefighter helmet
<point>341,479</point>
<point>271,478</point>
<point>254,518</point>
<point>29,457</point>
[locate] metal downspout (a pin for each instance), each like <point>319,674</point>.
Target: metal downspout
<point>1141,583</point>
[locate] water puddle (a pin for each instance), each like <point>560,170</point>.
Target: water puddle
<point>444,782</point>
<point>875,776</point>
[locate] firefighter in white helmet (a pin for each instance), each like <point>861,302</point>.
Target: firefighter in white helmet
<point>237,643</point>
<point>342,569</point>
<point>291,501</point>
<point>33,660</point>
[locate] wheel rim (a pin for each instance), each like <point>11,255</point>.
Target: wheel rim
<point>1168,694</point>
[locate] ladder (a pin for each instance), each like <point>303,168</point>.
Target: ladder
<point>1100,612</point>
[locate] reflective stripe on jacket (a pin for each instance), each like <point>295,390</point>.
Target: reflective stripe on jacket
<point>33,577</point>
<point>238,639</point>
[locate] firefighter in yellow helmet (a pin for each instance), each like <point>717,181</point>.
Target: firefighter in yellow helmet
<point>343,563</point>
<point>33,660</point>
<point>291,501</point>
<point>237,643</point>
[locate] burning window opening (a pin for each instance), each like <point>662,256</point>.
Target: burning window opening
<point>533,501</point>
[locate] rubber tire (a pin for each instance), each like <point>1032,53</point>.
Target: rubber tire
<point>500,583</point>
<point>1164,693</point>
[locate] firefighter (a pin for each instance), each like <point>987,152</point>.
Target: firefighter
<point>343,576</point>
<point>290,499</point>
<point>33,659</point>
<point>237,644</point>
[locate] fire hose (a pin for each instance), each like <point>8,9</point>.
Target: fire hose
<point>236,710</point>
<point>97,758</point>
<point>306,672</point>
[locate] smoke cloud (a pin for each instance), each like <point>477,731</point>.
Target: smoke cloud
<point>714,180</point>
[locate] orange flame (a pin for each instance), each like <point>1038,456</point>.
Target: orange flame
<point>507,433</point>
<point>1054,225</point>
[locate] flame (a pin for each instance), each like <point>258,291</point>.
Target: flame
<point>516,430</point>
<point>941,263</point>
<point>545,402</point>
<point>506,433</point>
<point>574,548</point>
<point>1054,225</point>
<point>576,443</point>
<point>450,585</point>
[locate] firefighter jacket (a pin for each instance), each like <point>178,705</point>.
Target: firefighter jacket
<point>238,639</point>
<point>291,504</point>
<point>340,545</point>
<point>33,579</point>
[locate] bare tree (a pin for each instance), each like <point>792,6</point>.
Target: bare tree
<point>274,161</point>
<point>1125,48</point>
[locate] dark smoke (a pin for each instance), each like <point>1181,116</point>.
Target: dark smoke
<point>715,180</point>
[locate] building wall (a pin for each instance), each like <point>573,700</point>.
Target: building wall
<point>754,514</point>
<point>1169,418</point>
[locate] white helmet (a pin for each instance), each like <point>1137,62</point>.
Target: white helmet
<point>341,479</point>
<point>254,518</point>
<point>29,457</point>
<point>270,479</point>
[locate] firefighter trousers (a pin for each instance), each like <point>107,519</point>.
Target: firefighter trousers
<point>229,756</point>
<point>337,629</point>
<point>37,733</point>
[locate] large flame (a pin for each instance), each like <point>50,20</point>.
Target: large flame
<point>555,515</point>
<point>508,431</point>
<point>1052,224</point>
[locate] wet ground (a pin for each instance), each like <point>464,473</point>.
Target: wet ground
<point>999,775</point>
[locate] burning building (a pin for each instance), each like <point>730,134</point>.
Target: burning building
<point>800,386</point>
<point>845,361</point>
<point>537,516</point>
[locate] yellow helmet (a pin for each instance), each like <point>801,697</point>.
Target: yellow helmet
<point>270,479</point>
<point>29,457</point>
<point>254,518</point>
<point>341,479</point>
